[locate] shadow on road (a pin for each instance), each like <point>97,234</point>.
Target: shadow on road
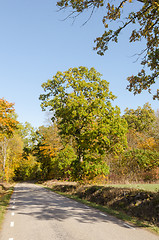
<point>43,204</point>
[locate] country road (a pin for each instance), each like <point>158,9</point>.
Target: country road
<point>38,214</point>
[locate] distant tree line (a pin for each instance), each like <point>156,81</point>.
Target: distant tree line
<point>87,140</point>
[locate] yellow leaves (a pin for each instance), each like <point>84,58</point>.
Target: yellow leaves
<point>105,25</point>
<point>50,141</point>
<point>48,150</point>
<point>147,143</point>
<point>141,141</point>
<point>7,118</point>
<point>14,150</point>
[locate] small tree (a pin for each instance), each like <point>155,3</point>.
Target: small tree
<point>14,156</point>
<point>81,102</point>
<point>47,146</point>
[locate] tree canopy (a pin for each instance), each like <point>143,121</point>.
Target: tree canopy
<point>95,143</point>
<point>140,119</point>
<point>81,102</point>
<point>8,122</point>
<point>145,26</point>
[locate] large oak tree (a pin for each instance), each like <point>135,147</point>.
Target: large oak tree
<point>81,102</point>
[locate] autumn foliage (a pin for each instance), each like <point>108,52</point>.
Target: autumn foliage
<point>87,140</point>
<point>8,122</point>
<point>8,125</point>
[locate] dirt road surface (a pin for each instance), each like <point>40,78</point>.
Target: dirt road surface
<point>38,214</point>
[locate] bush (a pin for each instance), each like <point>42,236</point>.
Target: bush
<point>62,164</point>
<point>93,165</point>
<point>136,165</point>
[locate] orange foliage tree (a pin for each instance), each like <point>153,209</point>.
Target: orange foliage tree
<point>8,124</point>
<point>48,144</point>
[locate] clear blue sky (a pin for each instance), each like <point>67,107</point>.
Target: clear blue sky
<point>35,43</point>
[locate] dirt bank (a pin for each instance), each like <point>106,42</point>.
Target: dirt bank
<point>141,204</point>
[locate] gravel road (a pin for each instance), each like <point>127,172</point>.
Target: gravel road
<point>38,214</point>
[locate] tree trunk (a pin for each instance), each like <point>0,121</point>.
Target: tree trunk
<point>80,155</point>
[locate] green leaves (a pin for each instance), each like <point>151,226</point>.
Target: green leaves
<point>140,119</point>
<point>145,19</point>
<point>81,102</point>
<point>80,5</point>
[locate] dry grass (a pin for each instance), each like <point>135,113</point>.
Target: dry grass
<point>5,194</point>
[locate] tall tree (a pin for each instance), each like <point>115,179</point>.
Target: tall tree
<point>140,160</point>
<point>14,156</point>
<point>141,119</point>
<point>145,26</point>
<point>81,102</point>
<point>8,124</point>
<point>48,144</point>
<point>155,129</point>
<point>27,132</point>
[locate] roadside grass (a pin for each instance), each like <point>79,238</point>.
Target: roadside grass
<point>117,213</point>
<point>154,187</point>
<point>5,195</point>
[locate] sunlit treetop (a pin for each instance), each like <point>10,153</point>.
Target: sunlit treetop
<point>8,122</point>
<point>82,105</point>
<point>140,119</point>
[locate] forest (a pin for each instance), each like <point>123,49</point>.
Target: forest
<point>87,138</point>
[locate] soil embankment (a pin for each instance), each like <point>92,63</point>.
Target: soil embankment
<point>137,203</point>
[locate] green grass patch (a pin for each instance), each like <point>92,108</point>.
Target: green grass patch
<point>146,187</point>
<point>4,202</point>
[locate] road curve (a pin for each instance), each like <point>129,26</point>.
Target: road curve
<point>38,214</point>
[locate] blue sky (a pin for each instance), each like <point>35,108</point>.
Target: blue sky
<point>35,43</point>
